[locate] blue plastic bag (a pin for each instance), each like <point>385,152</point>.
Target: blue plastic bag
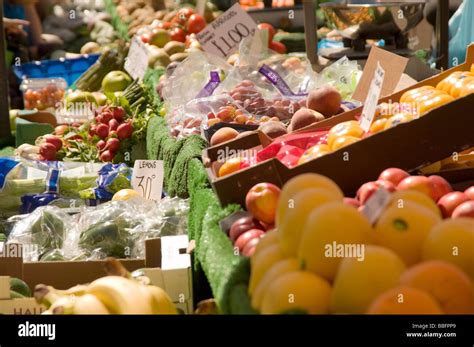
<point>461,29</point>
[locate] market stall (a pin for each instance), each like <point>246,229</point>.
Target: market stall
<point>190,160</point>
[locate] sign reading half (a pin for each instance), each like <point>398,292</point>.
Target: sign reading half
<point>136,62</point>
<point>147,178</point>
<point>370,104</point>
<point>223,35</point>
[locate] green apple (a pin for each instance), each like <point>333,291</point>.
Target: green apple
<point>160,37</point>
<point>115,81</point>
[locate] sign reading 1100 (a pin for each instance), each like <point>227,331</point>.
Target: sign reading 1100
<point>223,35</point>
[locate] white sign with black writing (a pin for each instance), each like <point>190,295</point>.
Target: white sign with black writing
<point>370,104</point>
<point>136,62</point>
<point>147,178</point>
<point>223,35</point>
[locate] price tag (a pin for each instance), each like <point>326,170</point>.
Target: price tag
<point>223,35</point>
<point>370,104</point>
<point>136,62</point>
<point>376,204</point>
<point>147,178</point>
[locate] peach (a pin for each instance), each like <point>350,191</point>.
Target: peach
<point>244,238</point>
<point>369,188</point>
<point>441,187</point>
<point>448,203</point>
<point>213,121</point>
<point>262,200</point>
<point>394,175</point>
<point>420,183</point>
<point>470,192</point>
<point>325,100</point>
<point>223,135</point>
<point>466,209</point>
<point>304,117</point>
<point>273,129</point>
<point>351,202</point>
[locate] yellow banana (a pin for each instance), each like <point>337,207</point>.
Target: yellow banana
<point>120,295</point>
<point>161,303</point>
<point>84,304</point>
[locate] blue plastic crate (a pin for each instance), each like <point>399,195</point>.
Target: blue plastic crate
<point>69,69</point>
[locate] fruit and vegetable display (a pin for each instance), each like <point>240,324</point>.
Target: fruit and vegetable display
<point>158,164</point>
<point>117,293</point>
<point>114,229</point>
<point>325,256</point>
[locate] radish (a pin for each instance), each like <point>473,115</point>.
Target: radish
<point>106,156</point>
<point>100,145</point>
<point>54,140</point>
<point>113,124</point>
<point>47,151</point>
<point>106,117</point>
<point>113,144</point>
<point>102,131</point>
<point>124,131</point>
<point>118,113</point>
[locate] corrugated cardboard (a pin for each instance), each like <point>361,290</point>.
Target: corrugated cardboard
<point>409,146</point>
<point>21,306</point>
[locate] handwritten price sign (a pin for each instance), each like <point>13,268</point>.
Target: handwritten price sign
<point>223,35</point>
<point>136,62</point>
<point>370,105</point>
<point>147,178</point>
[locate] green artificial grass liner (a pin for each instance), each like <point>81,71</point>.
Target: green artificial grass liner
<point>197,176</point>
<point>239,300</point>
<point>178,180</point>
<point>7,151</point>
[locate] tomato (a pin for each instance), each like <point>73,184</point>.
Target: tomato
<point>196,23</point>
<point>182,16</point>
<point>178,34</point>
<point>145,38</point>
<point>278,47</point>
<point>163,25</point>
<point>271,31</point>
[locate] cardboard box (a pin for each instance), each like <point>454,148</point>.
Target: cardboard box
<point>167,262</point>
<point>409,146</point>
<point>22,306</point>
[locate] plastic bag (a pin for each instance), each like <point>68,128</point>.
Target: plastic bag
<point>461,28</point>
<point>41,232</point>
<point>343,74</point>
<point>190,77</point>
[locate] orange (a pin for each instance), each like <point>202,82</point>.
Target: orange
<point>297,290</point>
<point>409,96</point>
<point>343,141</point>
<point>314,152</point>
<point>349,128</point>
<point>436,101</point>
<point>262,262</point>
<point>358,283</point>
<point>378,125</point>
<point>467,89</point>
<point>292,223</point>
<point>403,230</point>
<point>452,240</point>
<point>268,239</point>
<point>126,194</point>
<point>398,119</point>
<point>276,270</point>
<point>231,165</point>
<point>451,287</point>
<point>335,223</point>
<point>404,300</point>
<point>401,196</point>
<point>300,183</point>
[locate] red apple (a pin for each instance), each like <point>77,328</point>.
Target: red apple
<point>419,183</point>
<point>440,186</point>
<point>466,209</point>
<point>250,247</point>
<point>393,175</point>
<point>262,200</point>
<point>243,239</point>
<point>242,225</point>
<point>470,192</point>
<point>367,189</point>
<point>352,202</point>
<point>448,203</point>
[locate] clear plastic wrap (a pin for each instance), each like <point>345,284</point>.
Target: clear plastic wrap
<point>343,74</point>
<point>41,232</point>
<point>190,78</point>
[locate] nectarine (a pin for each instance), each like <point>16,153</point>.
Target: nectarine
<point>448,203</point>
<point>394,175</point>
<point>262,200</point>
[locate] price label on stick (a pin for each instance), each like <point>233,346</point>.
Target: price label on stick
<point>370,104</point>
<point>376,204</point>
<point>136,62</point>
<point>223,35</point>
<point>147,178</point>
